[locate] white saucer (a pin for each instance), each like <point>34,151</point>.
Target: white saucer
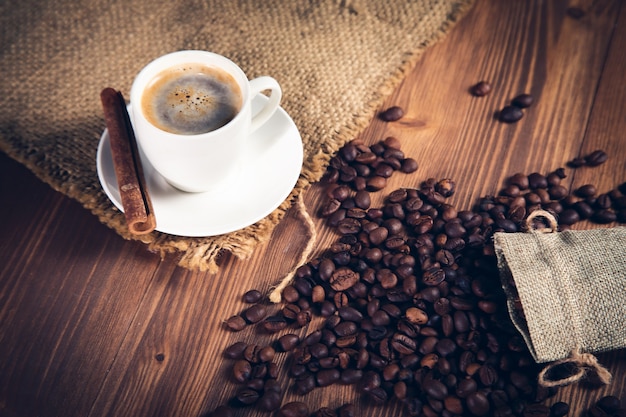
<point>271,168</point>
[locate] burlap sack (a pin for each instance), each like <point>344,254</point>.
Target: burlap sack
<point>571,287</point>
<point>336,61</point>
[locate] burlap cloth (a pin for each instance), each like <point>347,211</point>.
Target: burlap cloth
<point>336,61</point>
<point>571,286</point>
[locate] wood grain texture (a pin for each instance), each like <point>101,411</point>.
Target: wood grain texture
<point>91,325</point>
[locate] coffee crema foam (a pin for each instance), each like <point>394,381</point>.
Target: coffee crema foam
<point>191,99</point>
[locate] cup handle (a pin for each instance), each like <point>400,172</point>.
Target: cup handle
<point>256,86</point>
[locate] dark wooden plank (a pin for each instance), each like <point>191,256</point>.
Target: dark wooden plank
<point>69,288</point>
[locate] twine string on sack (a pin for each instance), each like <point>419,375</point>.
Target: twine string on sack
<point>545,214</point>
<point>275,295</point>
<point>583,362</point>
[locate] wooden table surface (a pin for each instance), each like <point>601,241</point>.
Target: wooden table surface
<point>93,325</point>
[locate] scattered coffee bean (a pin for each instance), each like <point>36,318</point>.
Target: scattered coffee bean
<point>522,101</point>
<point>255,313</point>
<point>481,89</point>
<point>596,158</point>
<point>510,114</point>
<point>293,409</point>
<point>609,404</point>
<point>235,351</point>
<point>252,296</point>
<point>236,323</point>
<point>559,409</point>
<point>392,114</point>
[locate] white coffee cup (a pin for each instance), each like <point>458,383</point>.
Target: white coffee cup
<point>205,161</point>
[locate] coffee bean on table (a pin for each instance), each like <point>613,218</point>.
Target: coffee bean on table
<point>235,351</point>
<point>477,403</point>
<point>609,403</point>
<point>596,158</point>
<point>481,89</point>
<point>510,114</point>
<point>252,296</point>
<point>392,114</point>
<point>242,370</point>
<point>236,323</point>
<point>255,313</point>
<point>523,101</point>
<point>559,409</point>
<point>293,409</point>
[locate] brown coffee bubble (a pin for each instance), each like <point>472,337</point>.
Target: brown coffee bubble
<point>191,99</point>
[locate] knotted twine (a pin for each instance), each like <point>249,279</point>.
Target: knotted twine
<point>571,288</point>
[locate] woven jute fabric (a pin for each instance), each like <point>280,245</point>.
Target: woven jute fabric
<point>336,61</point>
<point>571,286</point>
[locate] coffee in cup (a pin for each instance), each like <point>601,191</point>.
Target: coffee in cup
<point>191,98</point>
<point>192,116</point>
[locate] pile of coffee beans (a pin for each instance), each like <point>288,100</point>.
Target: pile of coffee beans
<point>608,406</point>
<point>409,297</point>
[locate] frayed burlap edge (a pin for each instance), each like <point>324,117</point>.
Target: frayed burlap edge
<point>203,253</point>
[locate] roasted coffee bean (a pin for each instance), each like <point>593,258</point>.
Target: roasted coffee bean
<point>537,181</point>
<point>604,216</point>
<point>236,323</point>
<point>583,209</point>
<point>609,403</point>
<point>247,396</point>
<point>586,191</point>
<point>559,409</point>
<point>349,226</point>
<point>343,279</point>
<point>433,276</point>
<point>510,114</point>
<point>362,199</point>
<point>327,377</point>
<point>293,409</point>
<point>408,165</point>
<point>252,296</point>
<point>290,294</point>
<point>242,370</point>
<point>596,158</point>
<point>435,389</point>
<point>403,344</point>
<point>275,323</point>
<point>481,89</point>
<point>466,387</point>
<point>269,401</point>
<point>454,405</point>
<point>350,313</point>
<point>477,403</point>
<point>392,114</point>
<point>523,101</point>
<point>255,313</point>
<point>235,351</point>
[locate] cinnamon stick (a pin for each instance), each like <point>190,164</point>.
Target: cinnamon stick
<point>127,163</point>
